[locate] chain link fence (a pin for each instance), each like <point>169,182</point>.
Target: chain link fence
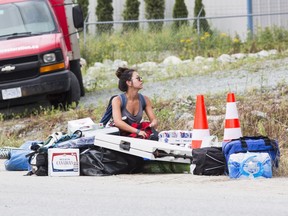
<point>153,40</point>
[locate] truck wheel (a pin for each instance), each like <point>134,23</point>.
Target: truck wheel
<point>67,98</point>
<point>76,69</point>
<point>74,93</point>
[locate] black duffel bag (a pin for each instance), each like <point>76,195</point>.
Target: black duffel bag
<point>209,161</point>
<point>99,161</point>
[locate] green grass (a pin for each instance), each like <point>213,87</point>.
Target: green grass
<point>141,46</point>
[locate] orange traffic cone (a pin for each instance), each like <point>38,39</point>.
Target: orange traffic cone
<point>200,129</point>
<point>232,128</point>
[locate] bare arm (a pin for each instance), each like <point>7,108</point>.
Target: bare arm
<point>150,113</point>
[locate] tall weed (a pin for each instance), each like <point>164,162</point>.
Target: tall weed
<point>142,45</point>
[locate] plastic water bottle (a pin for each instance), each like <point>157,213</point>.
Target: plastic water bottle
<point>257,166</point>
<point>252,167</point>
<point>5,153</point>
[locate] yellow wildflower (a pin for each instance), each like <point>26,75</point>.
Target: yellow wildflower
<point>236,40</point>
<point>206,34</point>
<point>223,34</point>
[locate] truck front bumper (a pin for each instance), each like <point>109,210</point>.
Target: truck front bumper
<point>43,85</point>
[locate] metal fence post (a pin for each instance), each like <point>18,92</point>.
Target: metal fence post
<point>250,18</point>
<point>84,34</point>
<point>198,27</point>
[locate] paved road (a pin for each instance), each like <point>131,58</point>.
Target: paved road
<point>141,194</point>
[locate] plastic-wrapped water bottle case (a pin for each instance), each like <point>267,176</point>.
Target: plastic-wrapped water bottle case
<point>250,165</point>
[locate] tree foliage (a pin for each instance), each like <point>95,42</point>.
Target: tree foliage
<point>84,6</point>
<point>131,12</point>
<point>180,11</point>
<point>154,9</point>
<point>104,12</point>
<point>200,11</point>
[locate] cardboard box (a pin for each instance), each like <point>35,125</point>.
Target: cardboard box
<point>63,162</point>
<point>84,124</point>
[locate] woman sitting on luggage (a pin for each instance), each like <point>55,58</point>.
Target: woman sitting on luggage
<point>125,117</point>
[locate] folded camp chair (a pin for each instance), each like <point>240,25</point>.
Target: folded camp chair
<point>108,113</point>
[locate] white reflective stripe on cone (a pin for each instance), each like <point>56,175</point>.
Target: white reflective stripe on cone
<point>199,134</point>
<point>232,133</point>
<point>232,113</point>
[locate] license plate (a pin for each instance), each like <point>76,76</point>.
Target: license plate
<point>11,93</point>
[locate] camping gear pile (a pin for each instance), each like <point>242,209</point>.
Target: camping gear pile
<point>96,151</point>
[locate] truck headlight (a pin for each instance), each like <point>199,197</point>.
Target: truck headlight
<point>49,57</point>
<point>52,61</point>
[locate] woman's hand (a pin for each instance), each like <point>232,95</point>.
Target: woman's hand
<point>153,124</point>
<point>142,134</point>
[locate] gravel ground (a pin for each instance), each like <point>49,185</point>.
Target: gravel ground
<point>262,74</point>
<point>266,74</point>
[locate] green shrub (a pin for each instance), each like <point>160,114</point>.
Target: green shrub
<point>84,6</point>
<point>104,12</point>
<point>131,12</point>
<point>180,11</point>
<point>139,46</point>
<point>200,11</point>
<point>154,9</point>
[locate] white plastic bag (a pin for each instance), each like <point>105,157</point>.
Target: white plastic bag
<point>210,141</point>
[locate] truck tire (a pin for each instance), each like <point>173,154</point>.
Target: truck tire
<point>74,93</point>
<point>67,98</point>
<point>75,67</point>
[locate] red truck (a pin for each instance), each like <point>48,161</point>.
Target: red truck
<point>39,52</point>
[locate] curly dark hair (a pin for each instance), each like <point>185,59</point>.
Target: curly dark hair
<point>124,74</point>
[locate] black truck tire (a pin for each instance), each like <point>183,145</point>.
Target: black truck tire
<point>75,67</point>
<point>74,93</point>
